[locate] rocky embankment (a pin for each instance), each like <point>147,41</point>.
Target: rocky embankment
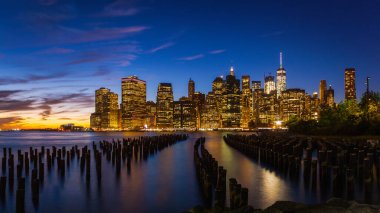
<point>334,205</point>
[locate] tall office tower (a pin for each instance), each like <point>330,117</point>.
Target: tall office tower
<point>191,89</point>
<point>256,85</point>
<point>349,84</point>
<point>246,102</point>
<point>292,104</point>
<point>281,78</point>
<point>330,97</point>
<point>133,103</point>
<point>184,115</point>
<point>266,108</point>
<point>151,111</point>
<point>269,85</point>
<point>218,89</point>
<point>322,92</point>
<point>199,102</point>
<point>210,117</point>
<point>231,112</point>
<point>165,106</point>
<point>106,116</point>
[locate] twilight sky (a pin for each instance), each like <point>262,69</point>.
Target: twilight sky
<point>55,53</point>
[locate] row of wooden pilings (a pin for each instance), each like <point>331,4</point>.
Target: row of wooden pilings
<point>212,179</point>
<point>337,163</point>
<point>38,159</point>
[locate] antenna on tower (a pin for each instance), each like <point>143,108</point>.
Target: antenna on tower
<point>281,59</point>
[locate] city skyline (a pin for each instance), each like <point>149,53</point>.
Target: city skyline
<point>55,54</point>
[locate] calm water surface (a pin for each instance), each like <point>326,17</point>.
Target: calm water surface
<point>165,182</point>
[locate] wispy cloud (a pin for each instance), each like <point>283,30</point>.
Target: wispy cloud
<point>30,78</point>
<point>219,51</point>
<point>161,47</point>
<point>8,93</point>
<point>191,58</point>
<point>9,105</point>
<point>56,51</point>
<point>4,122</point>
<point>119,8</point>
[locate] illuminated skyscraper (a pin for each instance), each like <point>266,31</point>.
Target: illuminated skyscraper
<point>199,100</point>
<point>322,92</point>
<point>218,89</point>
<point>210,116</point>
<point>165,105</point>
<point>312,106</point>
<point>330,97</point>
<point>231,112</point>
<point>191,89</point>
<point>269,84</point>
<point>246,102</point>
<point>266,108</point>
<point>256,85</point>
<point>184,114</point>
<point>106,116</point>
<point>281,78</point>
<point>349,84</point>
<point>292,104</point>
<point>133,103</point>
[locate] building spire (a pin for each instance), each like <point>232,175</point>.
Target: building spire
<point>232,72</point>
<point>281,59</point>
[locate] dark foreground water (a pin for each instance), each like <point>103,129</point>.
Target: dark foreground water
<point>165,182</point>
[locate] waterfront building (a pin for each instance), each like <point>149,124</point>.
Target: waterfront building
<point>199,100</point>
<point>312,106</point>
<point>269,84</point>
<point>184,114</point>
<point>292,104</point>
<point>281,78</point>
<point>151,112</point>
<point>265,108</point>
<point>106,115</point>
<point>246,102</point>
<point>133,102</point>
<point>210,117</point>
<point>349,84</point>
<point>218,90</point>
<point>165,106</point>
<point>231,113</point>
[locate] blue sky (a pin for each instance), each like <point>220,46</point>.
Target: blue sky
<point>55,53</point>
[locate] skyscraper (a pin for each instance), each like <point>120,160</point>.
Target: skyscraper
<point>256,85</point>
<point>184,114</point>
<point>231,112</point>
<point>191,89</point>
<point>133,103</point>
<point>151,110</point>
<point>292,104</point>
<point>349,84</point>
<point>106,116</point>
<point>210,117</point>
<point>218,90</point>
<point>281,78</point>
<point>165,105</point>
<point>246,101</point>
<point>199,100</point>
<point>330,97</point>
<point>269,84</point>
<point>322,92</point>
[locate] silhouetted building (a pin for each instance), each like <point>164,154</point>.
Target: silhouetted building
<point>292,104</point>
<point>322,92</point>
<point>269,84</point>
<point>349,84</point>
<point>231,113</point>
<point>330,97</point>
<point>191,89</point>
<point>281,78</point>
<point>246,102</point>
<point>165,105</point>
<point>151,110</point>
<point>210,117</point>
<point>184,114</point>
<point>106,116</point>
<point>133,103</point>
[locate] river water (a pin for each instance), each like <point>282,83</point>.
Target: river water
<point>165,182</point>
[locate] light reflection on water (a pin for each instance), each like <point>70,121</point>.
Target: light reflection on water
<point>166,182</point>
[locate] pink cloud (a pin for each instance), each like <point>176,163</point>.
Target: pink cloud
<point>119,8</point>
<point>213,52</point>
<point>56,50</point>
<point>161,47</point>
<point>191,58</point>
